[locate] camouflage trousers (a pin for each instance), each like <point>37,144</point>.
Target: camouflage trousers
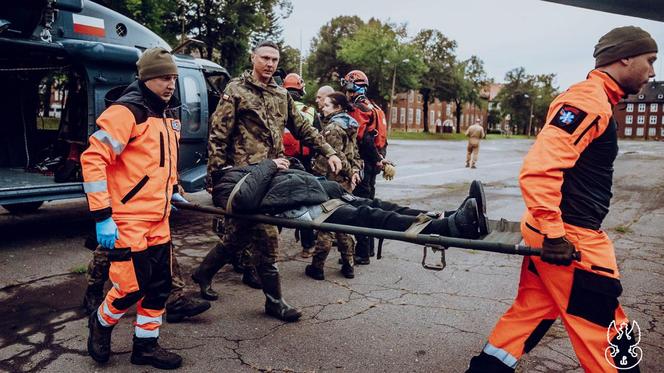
<point>324,242</point>
<point>98,267</point>
<point>252,243</point>
<point>244,257</point>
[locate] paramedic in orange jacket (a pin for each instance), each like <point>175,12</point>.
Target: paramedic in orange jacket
<point>130,172</point>
<point>566,183</point>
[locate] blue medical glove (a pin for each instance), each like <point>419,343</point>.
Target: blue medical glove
<point>107,233</point>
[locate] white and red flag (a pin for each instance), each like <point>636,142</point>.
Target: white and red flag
<point>89,25</point>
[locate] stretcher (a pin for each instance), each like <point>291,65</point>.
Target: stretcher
<point>505,236</point>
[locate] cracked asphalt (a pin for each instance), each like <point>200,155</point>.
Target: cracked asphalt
<point>393,316</point>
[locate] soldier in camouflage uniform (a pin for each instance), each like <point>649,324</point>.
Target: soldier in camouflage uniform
<point>246,128</point>
<point>178,305</point>
<point>340,131</point>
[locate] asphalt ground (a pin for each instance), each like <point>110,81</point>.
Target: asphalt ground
<point>393,316</point>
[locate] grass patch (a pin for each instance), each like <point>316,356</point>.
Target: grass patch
<point>622,229</point>
<point>444,136</point>
<point>79,270</point>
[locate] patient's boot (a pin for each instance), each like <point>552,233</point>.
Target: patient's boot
<point>476,191</point>
<point>465,222</point>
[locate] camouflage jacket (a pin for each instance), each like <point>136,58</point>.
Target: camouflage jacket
<point>248,125</point>
<point>340,131</point>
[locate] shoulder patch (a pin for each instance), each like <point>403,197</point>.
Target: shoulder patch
<point>568,118</point>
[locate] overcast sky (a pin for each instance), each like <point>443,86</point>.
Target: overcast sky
<point>543,37</point>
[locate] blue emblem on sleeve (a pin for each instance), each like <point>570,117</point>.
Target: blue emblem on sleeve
<point>176,124</point>
<point>566,117</point>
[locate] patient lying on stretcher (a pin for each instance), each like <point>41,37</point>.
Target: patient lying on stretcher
<point>281,187</point>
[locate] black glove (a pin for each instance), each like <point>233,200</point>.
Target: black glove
<point>558,251</point>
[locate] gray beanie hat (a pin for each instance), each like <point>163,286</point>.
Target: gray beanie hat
<point>623,42</point>
<point>155,62</point>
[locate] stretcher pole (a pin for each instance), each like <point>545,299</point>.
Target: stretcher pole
<point>432,240</point>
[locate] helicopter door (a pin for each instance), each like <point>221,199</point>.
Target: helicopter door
<point>193,114</point>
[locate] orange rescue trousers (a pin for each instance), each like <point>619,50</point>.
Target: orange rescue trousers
<point>144,277</point>
<point>584,295</point>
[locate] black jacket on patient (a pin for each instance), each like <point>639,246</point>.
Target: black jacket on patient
<point>266,189</point>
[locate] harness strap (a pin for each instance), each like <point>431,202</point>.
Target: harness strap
<point>421,222</point>
<point>329,207</point>
<point>236,188</point>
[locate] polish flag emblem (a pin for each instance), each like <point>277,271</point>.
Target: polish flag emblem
<point>89,25</point>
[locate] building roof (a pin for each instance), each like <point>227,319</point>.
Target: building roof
<point>651,92</point>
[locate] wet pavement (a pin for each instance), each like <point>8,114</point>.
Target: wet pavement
<point>393,316</point>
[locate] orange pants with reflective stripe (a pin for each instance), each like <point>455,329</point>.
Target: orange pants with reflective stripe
<point>584,295</point>
<point>145,278</point>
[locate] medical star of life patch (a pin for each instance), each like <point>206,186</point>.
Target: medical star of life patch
<point>568,118</point>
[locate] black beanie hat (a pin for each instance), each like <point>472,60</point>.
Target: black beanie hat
<point>155,62</point>
<point>623,42</point>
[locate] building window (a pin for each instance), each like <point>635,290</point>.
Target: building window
<point>402,116</point>
<point>418,116</point>
<point>652,132</point>
<point>628,119</point>
<point>653,119</point>
<point>639,132</point>
<point>653,108</point>
<point>630,108</point>
<point>662,119</point>
<point>642,96</point>
<point>432,117</point>
<point>660,96</point>
<point>640,119</point>
<point>410,115</point>
<point>393,115</point>
<point>628,131</point>
<point>411,96</point>
<point>661,133</point>
<point>448,111</point>
<point>642,108</point>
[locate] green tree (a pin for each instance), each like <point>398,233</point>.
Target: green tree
<point>467,80</point>
<point>438,55</point>
<point>323,63</point>
<point>373,47</point>
<point>290,59</point>
<point>522,92</point>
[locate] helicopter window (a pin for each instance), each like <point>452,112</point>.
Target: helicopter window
<point>192,101</point>
<point>121,29</point>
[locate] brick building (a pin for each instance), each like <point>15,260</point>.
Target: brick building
<point>407,115</point>
<point>641,116</point>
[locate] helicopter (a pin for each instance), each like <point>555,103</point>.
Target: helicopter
<point>61,63</point>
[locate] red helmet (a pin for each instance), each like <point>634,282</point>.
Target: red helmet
<point>294,81</point>
<point>356,77</point>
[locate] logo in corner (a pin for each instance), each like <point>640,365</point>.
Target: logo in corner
<point>623,352</point>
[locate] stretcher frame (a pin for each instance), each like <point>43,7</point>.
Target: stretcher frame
<point>434,242</point>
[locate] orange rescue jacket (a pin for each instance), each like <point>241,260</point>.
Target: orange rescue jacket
<point>130,167</point>
<point>567,174</point>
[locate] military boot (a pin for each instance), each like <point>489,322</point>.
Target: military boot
<point>214,260</point>
<point>185,307</point>
<point>464,223</point>
<point>347,267</point>
<point>275,305</point>
<point>146,351</point>
<point>250,277</point>
<point>316,269</point>
<point>476,191</point>
<point>94,295</point>
<point>99,339</point>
